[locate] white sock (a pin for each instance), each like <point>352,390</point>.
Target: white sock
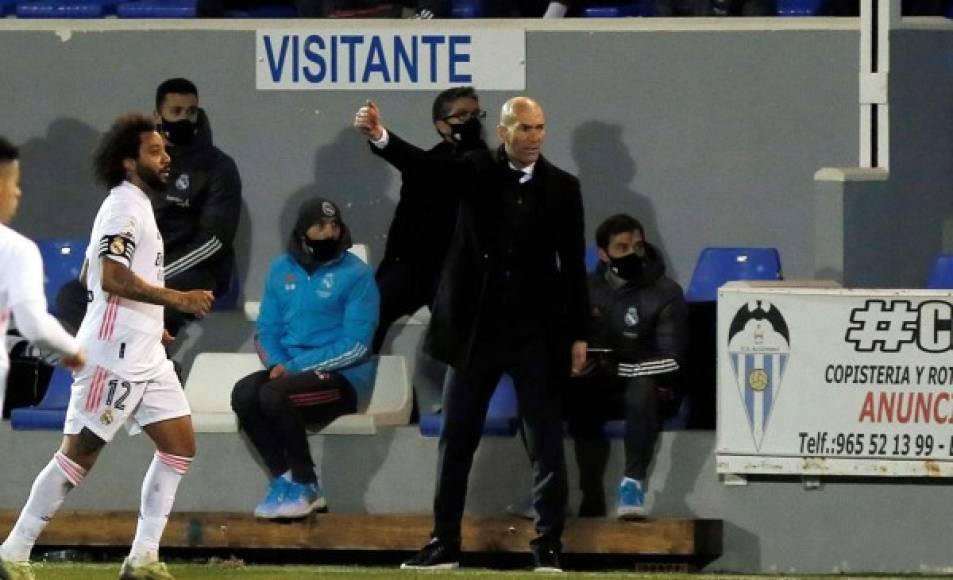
<point>46,496</point>
<point>556,10</point>
<point>158,495</point>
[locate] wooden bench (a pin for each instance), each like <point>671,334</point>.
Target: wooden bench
<point>690,539</point>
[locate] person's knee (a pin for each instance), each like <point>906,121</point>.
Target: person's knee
<point>244,395</point>
<point>184,447</point>
<point>83,448</point>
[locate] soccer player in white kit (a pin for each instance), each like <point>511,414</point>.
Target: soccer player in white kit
<point>21,279</point>
<point>128,380</point>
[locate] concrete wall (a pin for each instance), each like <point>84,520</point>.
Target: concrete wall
<point>710,135</point>
<point>921,146</point>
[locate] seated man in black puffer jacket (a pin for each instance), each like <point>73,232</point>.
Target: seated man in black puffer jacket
<point>638,337</point>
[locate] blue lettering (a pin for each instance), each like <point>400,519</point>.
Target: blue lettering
<point>433,41</point>
<point>312,56</point>
<point>460,57</point>
<point>376,61</point>
<point>352,41</point>
<point>275,67</point>
<point>400,55</point>
<point>334,59</point>
<point>295,75</point>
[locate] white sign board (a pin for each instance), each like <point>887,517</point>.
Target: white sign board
<point>837,382</point>
<point>388,58</point>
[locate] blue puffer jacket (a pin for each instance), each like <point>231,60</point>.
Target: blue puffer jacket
<point>323,321</point>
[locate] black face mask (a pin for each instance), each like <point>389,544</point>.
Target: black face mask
<point>322,250</point>
<point>179,132</point>
<point>629,267</point>
<point>467,135</point>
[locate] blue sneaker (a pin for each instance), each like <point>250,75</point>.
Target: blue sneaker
<point>631,502</point>
<point>300,500</point>
<point>268,508</point>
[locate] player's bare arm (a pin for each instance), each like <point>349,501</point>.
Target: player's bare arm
<point>121,281</point>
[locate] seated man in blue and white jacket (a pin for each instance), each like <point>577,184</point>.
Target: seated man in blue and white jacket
<point>318,316</point>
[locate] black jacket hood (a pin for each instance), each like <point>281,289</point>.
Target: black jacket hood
<point>309,214</point>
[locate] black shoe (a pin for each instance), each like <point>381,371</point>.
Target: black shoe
<point>592,506</point>
<point>436,555</point>
<point>546,559</point>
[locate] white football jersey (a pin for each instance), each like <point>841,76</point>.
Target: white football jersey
<point>124,336</point>
<point>21,280</point>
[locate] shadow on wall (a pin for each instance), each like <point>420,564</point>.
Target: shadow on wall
<point>348,476</point>
<point>606,171</point>
<point>60,195</point>
<point>364,204</point>
<point>242,247</point>
<point>671,497</point>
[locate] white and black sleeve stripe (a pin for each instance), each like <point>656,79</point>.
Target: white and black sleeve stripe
<point>203,252</point>
<point>644,369</point>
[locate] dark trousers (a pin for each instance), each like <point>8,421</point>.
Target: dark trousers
<point>465,402</point>
<point>71,300</point>
<point>592,401</point>
<point>404,289</point>
<point>275,415</point>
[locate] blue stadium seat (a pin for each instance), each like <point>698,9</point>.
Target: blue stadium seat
<point>501,416</point>
<point>7,7</point>
<point>266,11</point>
<point>66,8</point>
<point>592,259</point>
<point>800,7</point>
<point>941,276</point>
<point>62,262</point>
<point>50,414</point>
<point>467,9</point>
<point>157,9</point>
<point>638,8</point>
<point>228,300</point>
<point>719,265</point>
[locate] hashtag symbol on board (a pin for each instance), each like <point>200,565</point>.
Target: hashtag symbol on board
<point>882,326</point>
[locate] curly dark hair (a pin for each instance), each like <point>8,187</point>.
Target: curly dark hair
<point>121,142</point>
<point>8,151</point>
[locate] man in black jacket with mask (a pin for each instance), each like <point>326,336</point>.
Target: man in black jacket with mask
<point>423,223</point>
<point>511,299</point>
<point>198,213</point>
<point>639,333</point>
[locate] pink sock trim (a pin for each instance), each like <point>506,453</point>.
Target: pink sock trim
<point>178,464</point>
<point>72,470</point>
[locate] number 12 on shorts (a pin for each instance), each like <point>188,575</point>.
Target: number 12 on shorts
<point>115,384</point>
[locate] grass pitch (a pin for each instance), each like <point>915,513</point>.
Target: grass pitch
<point>239,571</point>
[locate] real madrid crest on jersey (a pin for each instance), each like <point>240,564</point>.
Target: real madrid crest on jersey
<point>759,346</point>
<point>326,285</point>
<point>631,317</point>
<point>182,183</point>
<point>117,246</point>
